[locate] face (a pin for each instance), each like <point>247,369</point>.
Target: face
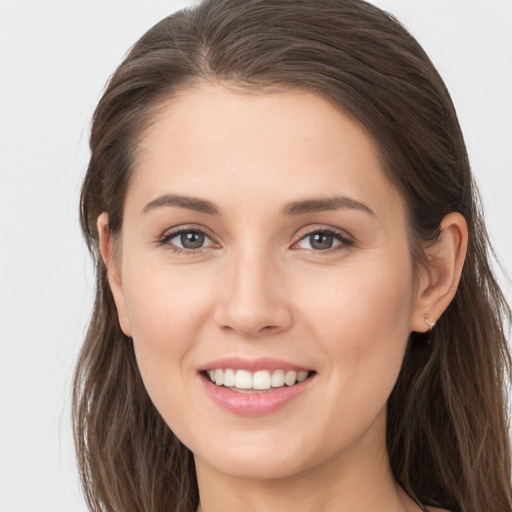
<point>263,248</point>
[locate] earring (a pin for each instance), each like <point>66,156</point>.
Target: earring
<point>430,324</point>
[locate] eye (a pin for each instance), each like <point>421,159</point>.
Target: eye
<point>325,240</point>
<point>186,240</point>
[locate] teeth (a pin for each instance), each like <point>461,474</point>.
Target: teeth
<point>302,376</point>
<point>260,380</point>
<point>290,378</point>
<point>243,379</point>
<point>229,378</point>
<point>278,379</point>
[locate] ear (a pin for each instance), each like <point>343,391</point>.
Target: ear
<point>438,284</point>
<point>113,272</point>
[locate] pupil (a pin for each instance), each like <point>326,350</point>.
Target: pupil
<point>321,241</point>
<point>192,240</point>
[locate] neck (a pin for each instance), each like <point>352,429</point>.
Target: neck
<point>357,480</point>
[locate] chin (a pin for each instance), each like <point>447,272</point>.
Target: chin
<point>257,467</point>
<point>260,456</point>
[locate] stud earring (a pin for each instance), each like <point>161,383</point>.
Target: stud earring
<point>430,324</point>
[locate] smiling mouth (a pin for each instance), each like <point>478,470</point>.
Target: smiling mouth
<point>244,381</point>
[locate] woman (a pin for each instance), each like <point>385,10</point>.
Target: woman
<point>295,308</point>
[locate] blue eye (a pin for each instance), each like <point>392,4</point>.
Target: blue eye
<point>186,240</point>
<point>324,241</point>
<point>191,239</point>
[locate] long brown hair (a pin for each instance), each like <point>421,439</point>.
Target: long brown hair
<point>447,432</point>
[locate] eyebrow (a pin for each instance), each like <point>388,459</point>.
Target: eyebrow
<point>295,208</point>
<point>324,204</point>
<point>189,203</point>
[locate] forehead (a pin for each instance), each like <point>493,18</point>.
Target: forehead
<point>253,148</point>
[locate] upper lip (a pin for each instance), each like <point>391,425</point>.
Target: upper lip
<point>252,365</point>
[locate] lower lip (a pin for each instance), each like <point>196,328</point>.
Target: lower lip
<point>257,403</point>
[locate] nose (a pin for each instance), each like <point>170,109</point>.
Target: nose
<point>252,300</point>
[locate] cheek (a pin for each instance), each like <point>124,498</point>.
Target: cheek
<point>366,295</point>
<point>361,320</point>
<point>167,310</point>
<point>164,303</point>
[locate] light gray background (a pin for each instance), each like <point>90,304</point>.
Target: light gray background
<point>55,57</point>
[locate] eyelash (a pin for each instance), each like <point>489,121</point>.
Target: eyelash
<point>346,242</point>
<point>164,240</point>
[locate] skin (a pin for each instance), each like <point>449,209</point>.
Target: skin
<point>258,287</point>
